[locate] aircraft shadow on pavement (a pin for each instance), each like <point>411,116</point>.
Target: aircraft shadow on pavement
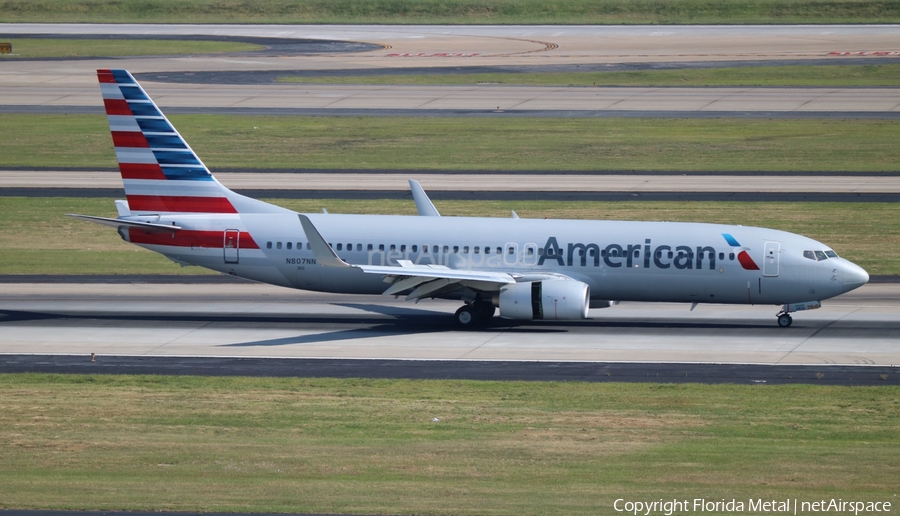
<point>380,320</point>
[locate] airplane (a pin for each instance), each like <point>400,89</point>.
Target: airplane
<point>528,269</point>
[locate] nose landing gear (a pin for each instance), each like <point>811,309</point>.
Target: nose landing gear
<point>784,320</point>
<point>784,316</point>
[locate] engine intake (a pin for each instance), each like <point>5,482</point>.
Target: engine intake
<point>550,300</point>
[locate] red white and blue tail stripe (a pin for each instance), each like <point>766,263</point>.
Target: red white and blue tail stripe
<point>162,174</point>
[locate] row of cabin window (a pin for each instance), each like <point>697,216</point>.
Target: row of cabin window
<point>476,250</point>
<point>393,247</point>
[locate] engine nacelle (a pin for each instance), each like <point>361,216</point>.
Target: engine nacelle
<point>549,299</point>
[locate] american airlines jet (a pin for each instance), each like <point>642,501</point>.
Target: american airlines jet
<point>527,268</point>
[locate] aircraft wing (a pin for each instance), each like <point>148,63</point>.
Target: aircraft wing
<point>117,223</point>
<point>423,280</point>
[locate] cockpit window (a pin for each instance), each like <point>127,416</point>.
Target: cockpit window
<point>821,256</point>
<point>831,254</point>
<point>810,255</point>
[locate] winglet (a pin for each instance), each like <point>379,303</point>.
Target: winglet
<point>423,203</point>
<point>323,252</point>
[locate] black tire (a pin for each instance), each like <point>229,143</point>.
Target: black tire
<point>785,320</point>
<point>466,317</point>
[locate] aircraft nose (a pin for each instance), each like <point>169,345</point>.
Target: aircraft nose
<point>854,276</point>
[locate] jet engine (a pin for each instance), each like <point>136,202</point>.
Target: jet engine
<point>548,299</point>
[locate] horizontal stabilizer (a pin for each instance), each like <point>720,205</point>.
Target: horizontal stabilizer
<point>118,223</point>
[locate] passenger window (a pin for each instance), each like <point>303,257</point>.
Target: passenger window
<point>809,255</point>
<point>499,251</point>
<point>349,247</point>
<point>369,247</point>
<point>403,248</point>
<point>393,247</point>
<point>359,247</point>
<point>721,256</point>
<point>465,249</point>
<point>531,251</point>
<point>730,256</point>
<point>446,249</point>
<point>487,250</point>
<point>476,249</point>
<point>381,247</point>
<point>268,245</point>
<point>434,249</point>
<point>456,249</point>
<point>821,256</point>
<point>289,244</point>
<point>540,251</point>
<point>278,245</point>
<point>299,246</point>
<point>513,251</point>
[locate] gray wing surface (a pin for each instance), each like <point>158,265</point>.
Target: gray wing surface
<point>423,280</point>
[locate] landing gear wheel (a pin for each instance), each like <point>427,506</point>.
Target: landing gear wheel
<point>466,316</point>
<point>785,320</point>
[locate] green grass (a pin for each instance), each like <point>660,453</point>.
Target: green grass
<point>39,47</point>
<point>36,237</point>
<point>373,447</point>
<point>251,142</point>
<point>453,11</point>
<point>837,76</point>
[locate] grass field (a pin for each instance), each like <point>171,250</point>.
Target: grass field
<point>837,76</point>
<point>374,446</point>
<point>39,47</point>
<point>453,11</point>
<point>251,142</point>
<point>37,238</point>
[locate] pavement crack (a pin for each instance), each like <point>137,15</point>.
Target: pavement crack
<point>476,348</point>
<point>814,334</point>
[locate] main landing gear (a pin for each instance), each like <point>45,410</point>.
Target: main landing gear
<point>474,314</point>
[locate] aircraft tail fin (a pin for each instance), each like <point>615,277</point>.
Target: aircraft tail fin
<point>161,173</point>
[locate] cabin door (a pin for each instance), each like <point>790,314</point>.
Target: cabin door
<point>231,245</point>
<point>770,262</point>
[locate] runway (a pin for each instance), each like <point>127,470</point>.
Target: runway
<point>252,320</point>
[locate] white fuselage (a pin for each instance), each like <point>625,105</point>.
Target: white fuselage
<point>619,260</point>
